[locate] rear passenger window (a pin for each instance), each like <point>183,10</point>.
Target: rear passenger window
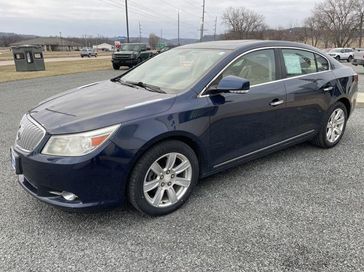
<point>322,63</point>
<point>299,62</point>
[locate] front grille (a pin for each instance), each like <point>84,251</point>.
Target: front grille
<point>121,56</point>
<point>29,135</point>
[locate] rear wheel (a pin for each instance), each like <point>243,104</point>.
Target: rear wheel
<point>333,127</point>
<point>350,59</point>
<point>163,179</point>
<point>115,66</point>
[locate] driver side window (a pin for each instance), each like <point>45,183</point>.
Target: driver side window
<point>258,67</point>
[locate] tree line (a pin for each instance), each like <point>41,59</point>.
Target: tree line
<point>332,23</point>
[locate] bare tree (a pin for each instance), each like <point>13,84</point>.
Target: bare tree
<point>339,18</point>
<point>313,30</point>
<point>243,23</point>
<point>153,40</point>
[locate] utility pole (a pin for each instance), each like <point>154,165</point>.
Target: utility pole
<point>215,28</point>
<point>127,21</point>
<point>178,29</point>
<point>60,41</point>
<point>140,32</point>
<point>361,28</point>
<point>203,20</point>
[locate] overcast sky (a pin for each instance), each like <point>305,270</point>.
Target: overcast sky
<point>107,17</point>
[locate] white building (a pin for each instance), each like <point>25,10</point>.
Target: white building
<point>104,47</point>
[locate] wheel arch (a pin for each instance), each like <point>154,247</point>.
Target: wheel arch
<point>346,103</point>
<point>187,138</point>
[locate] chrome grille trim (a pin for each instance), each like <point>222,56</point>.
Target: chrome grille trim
<point>29,135</point>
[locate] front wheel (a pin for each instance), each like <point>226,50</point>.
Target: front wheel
<point>115,66</point>
<point>350,59</point>
<point>337,58</point>
<point>163,179</point>
<point>333,127</point>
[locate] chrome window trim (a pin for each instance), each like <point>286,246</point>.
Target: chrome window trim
<point>30,119</point>
<point>201,94</point>
<point>264,148</point>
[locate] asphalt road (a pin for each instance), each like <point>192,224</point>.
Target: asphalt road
<point>300,209</point>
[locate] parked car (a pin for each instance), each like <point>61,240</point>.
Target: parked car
<point>358,57</point>
<point>342,54</point>
<point>130,55</point>
<point>88,52</point>
<point>149,135</point>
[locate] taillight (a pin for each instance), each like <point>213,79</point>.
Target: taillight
<point>356,78</point>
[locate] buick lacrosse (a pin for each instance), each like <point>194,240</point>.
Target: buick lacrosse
<point>150,134</point>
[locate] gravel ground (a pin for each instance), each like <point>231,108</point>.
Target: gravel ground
<point>300,209</point>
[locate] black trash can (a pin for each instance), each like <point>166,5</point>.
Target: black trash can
<point>28,58</point>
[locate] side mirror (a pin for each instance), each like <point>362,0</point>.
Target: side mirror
<point>233,84</point>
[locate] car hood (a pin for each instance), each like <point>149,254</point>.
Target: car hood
<point>98,105</point>
<point>124,53</point>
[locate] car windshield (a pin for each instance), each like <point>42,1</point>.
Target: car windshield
<point>130,47</point>
<point>336,50</point>
<point>177,69</point>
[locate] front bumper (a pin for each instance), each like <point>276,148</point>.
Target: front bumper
<point>358,62</point>
<point>98,180</point>
<point>125,62</point>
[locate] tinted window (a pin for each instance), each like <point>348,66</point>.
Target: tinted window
<point>299,62</point>
<point>19,56</point>
<point>38,55</point>
<point>257,67</point>
<point>322,63</point>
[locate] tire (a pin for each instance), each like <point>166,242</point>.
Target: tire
<point>322,139</point>
<point>89,56</point>
<point>337,58</point>
<point>350,59</point>
<point>139,60</point>
<point>115,66</point>
<point>160,194</point>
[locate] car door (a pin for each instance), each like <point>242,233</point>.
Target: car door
<point>309,83</point>
<point>245,123</point>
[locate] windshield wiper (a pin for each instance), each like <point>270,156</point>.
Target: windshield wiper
<point>146,86</point>
<point>124,82</point>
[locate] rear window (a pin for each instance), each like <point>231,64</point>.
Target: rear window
<point>300,62</point>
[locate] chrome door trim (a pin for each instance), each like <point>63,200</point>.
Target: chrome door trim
<point>264,148</point>
<point>201,94</point>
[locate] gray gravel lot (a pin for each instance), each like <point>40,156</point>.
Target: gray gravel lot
<point>297,210</point>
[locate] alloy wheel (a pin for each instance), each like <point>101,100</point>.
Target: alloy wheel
<point>335,125</point>
<point>167,180</point>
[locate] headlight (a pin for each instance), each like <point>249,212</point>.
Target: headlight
<point>79,144</point>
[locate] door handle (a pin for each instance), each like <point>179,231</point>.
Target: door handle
<point>328,89</point>
<point>276,102</point>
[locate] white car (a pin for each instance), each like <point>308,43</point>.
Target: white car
<point>358,57</point>
<point>88,52</point>
<point>342,54</point>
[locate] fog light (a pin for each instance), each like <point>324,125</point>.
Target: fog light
<point>69,196</point>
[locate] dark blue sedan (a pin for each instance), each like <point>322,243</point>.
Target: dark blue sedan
<point>149,135</point>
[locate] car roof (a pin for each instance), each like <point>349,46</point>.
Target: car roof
<point>245,44</point>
